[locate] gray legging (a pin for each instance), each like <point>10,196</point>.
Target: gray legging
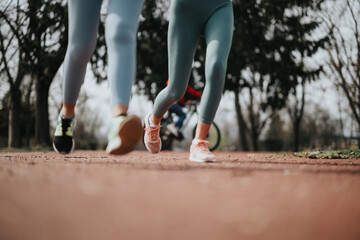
<point>188,19</point>
<point>120,32</point>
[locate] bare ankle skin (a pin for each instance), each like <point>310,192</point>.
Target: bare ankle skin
<point>68,109</point>
<point>202,130</point>
<point>155,120</point>
<point>118,110</point>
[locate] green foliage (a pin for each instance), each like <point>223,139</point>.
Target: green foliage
<point>99,59</point>
<point>268,38</point>
<point>152,71</point>
<point>46,36</point>
<point>331,154</point>
<point>271,39</point>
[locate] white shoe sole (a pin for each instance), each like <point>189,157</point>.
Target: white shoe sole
<point>130,133</point>
<point>194,159</point>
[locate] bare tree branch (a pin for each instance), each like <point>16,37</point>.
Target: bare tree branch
<point>4,60</point>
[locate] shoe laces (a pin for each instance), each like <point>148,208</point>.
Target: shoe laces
<point>153,133</point>
<point>68,127</point>
<point>202,146</point>
<point>65,127</point>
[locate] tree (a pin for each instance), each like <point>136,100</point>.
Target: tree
<point>341,19</point>
<point>152,71</point>
<point>263,59</point>
<point>248,65</point>
<point>306,47</point>
<point>13,64</point>
<point>320,130</point>
<point>275,135</point>
<point>47,39</point>
<point>40,30</point>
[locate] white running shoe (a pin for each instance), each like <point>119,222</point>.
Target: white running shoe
<point>125,132</point>
<point>152,138</point>
<point>199,152</point>
<point>173,129</point>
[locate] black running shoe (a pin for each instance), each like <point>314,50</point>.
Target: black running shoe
<point>63,138</point>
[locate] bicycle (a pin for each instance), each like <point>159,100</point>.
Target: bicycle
<point>167,137</point>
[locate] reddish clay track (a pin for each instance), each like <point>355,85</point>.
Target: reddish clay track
<point>90,195</point>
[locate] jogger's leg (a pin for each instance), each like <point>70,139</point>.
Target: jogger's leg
<point>83,26</point>
<point>182,40</point>
<point>120,32</point>
<point>121,28</point>
<point>218,35</point>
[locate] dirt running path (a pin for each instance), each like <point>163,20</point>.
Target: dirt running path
<point>90,195</point>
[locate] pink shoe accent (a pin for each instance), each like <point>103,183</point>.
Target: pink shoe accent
<point>152,136</point>
<point>199,152</point>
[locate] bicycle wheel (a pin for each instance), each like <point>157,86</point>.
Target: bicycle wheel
<point>214,136</point>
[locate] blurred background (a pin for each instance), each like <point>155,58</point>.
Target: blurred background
<point>292,83</point>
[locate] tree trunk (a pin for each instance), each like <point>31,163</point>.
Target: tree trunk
<point>358,123</point>
<point>27,110</point>
<point>14,139</point>
<point>254,139</point>
<point>42,134</point>
<point>241,123</point>
<point>296,135</point>
<point>253,122</point>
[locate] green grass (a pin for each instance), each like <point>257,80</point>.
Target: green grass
<point>331,154</point>
<point>274,154</point>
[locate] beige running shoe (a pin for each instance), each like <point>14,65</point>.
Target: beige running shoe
<point>124,134</point>
<point>152,136</point>
<point>199,152</point>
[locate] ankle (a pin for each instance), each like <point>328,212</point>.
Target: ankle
<point>120,115</point>
<point>68,110</point>
<point>118,110</point>
<point>67,115</point>
<point>152,121</point>
<point>155,120</point>
<point>197,140</point>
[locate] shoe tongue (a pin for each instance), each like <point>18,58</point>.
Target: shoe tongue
<point>66,118</point>
<point>151,124</point>
<point>66,123</point>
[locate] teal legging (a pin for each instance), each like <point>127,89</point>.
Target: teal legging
<point>188,19</point>
<point>120,32</point>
